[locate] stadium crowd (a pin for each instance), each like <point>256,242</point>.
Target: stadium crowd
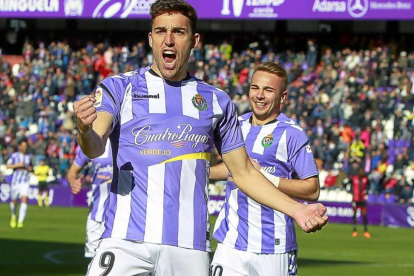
<point>354,102</point>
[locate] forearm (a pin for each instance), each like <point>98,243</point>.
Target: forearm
<point>71,176</point>
<point>91,143</point>
<point>219,172</point>
<point>304,189</point>
<point>15,166</point>
<point>257,187</point>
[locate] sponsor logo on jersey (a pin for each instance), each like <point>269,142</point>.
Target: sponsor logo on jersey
<point>199,102</point>
<point>98,97</point>
<point>271,169</point>
<point>184,133</point>
<point>267,141</point>
<point>308,149</point>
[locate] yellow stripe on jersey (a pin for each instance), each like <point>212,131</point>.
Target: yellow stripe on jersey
<point>198,155</point>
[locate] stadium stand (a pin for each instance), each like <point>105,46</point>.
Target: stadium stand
<point>360,92</point>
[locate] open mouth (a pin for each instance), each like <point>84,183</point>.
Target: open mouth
<point>169,58</point>
<point>260,105</point>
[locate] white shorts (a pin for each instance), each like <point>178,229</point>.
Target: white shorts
<point>228,261</point>
<point>116,257</point>
<point>94,231</point>
<point>19,190</point>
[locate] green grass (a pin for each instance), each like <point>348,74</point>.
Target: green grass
<point>52,240</point>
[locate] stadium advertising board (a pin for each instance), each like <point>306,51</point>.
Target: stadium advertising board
<point>215,9</point>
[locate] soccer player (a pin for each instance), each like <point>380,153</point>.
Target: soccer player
<point>254,239</point>
<point>102,176</point>
<point>359,187</point>
<point>42,170</point>
<point>21,164</point>
<point>162,123</point>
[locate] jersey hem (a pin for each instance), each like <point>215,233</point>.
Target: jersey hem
<point>155,241</point>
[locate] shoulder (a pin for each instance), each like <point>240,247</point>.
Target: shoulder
<point>204,87</point>
<point>119,83</point>
<point>293,130</point>
<point>245,117</point>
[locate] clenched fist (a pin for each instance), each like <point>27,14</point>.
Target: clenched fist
<point>85,113</point>
<point>312,217</point>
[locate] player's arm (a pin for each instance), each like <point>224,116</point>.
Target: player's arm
<point>310,218</point>
<point>72,177</point>
<point>219,172</point>
<point>10,165</point>
<point>305,189</point>
<point>94,127</point>
<point>37,170</point>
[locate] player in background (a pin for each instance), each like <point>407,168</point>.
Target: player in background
<point>163,123</point>
<point>359,187</point>
<point>254,239</point>
<point>21,164</point>
<point>101,179</point>
<point>42,171</point>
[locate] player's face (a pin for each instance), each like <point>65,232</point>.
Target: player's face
<point>23,147</point>
<point>171,40</point>
<point>266,96</point>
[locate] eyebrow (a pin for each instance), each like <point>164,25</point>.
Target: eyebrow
<point>174,29</point>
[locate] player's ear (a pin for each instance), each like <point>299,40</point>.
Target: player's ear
<point>150,39</point>
<point>284,96</point>
<point>196,40</point>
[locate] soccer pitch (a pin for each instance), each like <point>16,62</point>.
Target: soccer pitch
<point>52,240</point>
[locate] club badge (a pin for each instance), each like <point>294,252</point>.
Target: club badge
<point>199,102</point>
<point>267,141</point>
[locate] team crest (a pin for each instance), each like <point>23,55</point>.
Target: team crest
<point>267,141</point>
<point>98,97</point>
<point>199,102</point>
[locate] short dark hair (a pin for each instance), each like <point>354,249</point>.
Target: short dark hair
<point>275,69</point>
<point>169,6</point>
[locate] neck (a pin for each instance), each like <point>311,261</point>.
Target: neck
<point>178,77</point>
<point>261,121</point>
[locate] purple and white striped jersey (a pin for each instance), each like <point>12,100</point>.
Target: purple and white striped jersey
<point>101,179</point>
<point>21,175</point>
<point>282,149</point>
<point>163,133</point>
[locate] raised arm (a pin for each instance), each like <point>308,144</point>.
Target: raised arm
<point>310,218</point>
<point>94,127</point>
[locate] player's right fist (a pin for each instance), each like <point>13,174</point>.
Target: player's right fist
<point>85,113</point>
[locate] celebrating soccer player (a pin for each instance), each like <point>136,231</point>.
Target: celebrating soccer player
<point>163,123</point>
<point>20,163</point>
<point>254,239</point>
<point>102,176</point>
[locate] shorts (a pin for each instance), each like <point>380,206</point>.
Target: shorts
<point>115,257</point>
<point>94,231</point>
<point>228,261</point>
<point>42,186</point>
<point>359,204</point>
<point>19,190</point>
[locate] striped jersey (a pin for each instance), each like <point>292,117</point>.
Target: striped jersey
<point>21,175</point>
<point>101,179</point>
<point>163,133</point>
<point>282,149</point>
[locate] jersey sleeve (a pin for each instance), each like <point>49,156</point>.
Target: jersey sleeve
<point>301,156</point>
<point>228,135</point>
<point>80,159</point>
<point>108,98</point>
<point>11,160</point>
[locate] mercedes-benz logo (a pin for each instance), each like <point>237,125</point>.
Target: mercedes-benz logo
<point>357,8</point>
